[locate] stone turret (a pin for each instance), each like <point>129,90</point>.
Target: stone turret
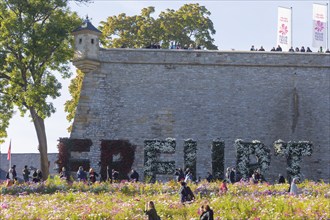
<point>86,45</point>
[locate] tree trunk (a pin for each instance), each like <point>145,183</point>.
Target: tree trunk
<point>39,125</point>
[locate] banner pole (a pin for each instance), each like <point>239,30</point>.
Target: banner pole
<point>291,28</point>
<point>9,152</point>
<point>327,26</point>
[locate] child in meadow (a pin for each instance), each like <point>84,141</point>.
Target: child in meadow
<point>223,187</point>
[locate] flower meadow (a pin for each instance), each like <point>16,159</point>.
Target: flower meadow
<point>56,199</point>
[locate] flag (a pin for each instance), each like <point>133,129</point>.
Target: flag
<point>9,151</point>
<point>284,30</point>
<point>319,25</point>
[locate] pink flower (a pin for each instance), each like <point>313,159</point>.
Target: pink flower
<point>4,206</point>
<point>319,26</point>
<point>283,29</point>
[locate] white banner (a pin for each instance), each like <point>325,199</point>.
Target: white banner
<point>319,25</point>
<point>284,30</point>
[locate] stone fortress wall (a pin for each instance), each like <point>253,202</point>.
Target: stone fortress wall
<point>139,94</point>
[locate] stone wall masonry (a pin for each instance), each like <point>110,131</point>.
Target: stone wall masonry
<point>139,94</point>
<point>32,160</point>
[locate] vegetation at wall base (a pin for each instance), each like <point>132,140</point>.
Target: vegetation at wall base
<point>57,199</point>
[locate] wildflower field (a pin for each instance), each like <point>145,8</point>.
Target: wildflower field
<point>56,199</point>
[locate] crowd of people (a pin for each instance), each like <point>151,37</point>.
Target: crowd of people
<point>279,49</point>
<point>184,178</point>
<point>11,176</point>
<point>35,175</point>
<point>174,45</point>
<point>91,176</point>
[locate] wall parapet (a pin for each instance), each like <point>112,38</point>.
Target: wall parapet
<point>216,58</point>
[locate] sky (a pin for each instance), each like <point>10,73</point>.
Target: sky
<point>238,25</point>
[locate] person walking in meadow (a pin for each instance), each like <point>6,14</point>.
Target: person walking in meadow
<point>188,177</point>
<point>227,175</point>
<point>223,187</point>
<point>81,174</point>
<point>151,212</point>
<point>134,176</point>
<point>92,175</point>
<point>10,177</point>
<point>26,173</point>
<point>294,187</point>
<point>14,172</point>
<point>230,175</point>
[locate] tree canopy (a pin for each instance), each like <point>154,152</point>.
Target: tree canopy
<point>70,106</point>
<point>190,24</point>
<point>35,45</point>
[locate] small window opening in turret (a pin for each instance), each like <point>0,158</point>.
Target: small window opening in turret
<point>92,41</point>
<point>80,40</point>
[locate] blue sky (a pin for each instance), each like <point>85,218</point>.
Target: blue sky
<point>238,25</point>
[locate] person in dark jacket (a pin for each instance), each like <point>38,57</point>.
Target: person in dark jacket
<point>134,176</point>
<point>281,179</point>
<point>26,173</point>
<point>81,174</point>
<point>186,194</point>
<point>179,174</point>
<point>64,174</point>
<point>279,48</point>
<point>309,50</point>
<point>232,175</point>
<point>262,48</point>
<point>207,213</point>
<point>37,176</point>
<point>209,177</point>
<point>151,212</point>
<point>14,171</point>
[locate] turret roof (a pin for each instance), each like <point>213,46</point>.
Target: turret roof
<point>87,25</point>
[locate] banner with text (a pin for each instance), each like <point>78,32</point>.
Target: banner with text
<point>284,31</point>
<point>319,25</point>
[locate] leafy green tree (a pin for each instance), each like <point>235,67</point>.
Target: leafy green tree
<point>74,89</point>
<point>35,44</point>
<point>190,24</point>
